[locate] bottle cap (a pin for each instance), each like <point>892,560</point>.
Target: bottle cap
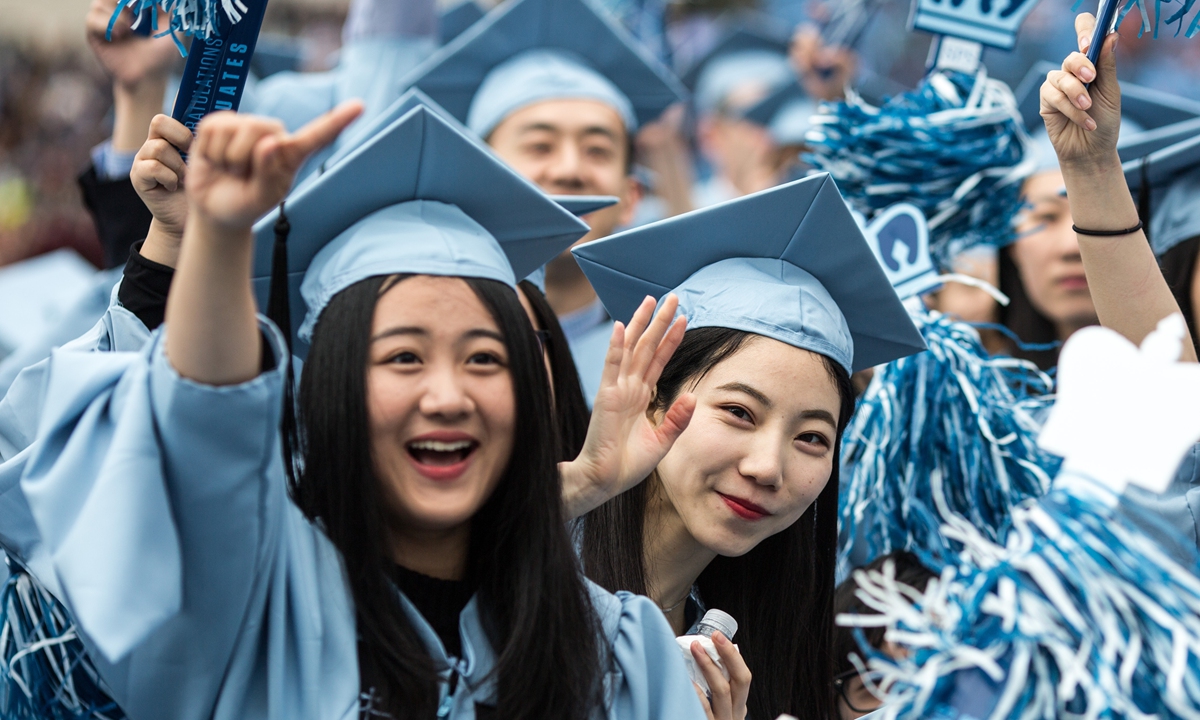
<point>717,620</point>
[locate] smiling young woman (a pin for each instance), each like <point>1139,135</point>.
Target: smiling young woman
<point>741,514</point>
<point>420,564</point>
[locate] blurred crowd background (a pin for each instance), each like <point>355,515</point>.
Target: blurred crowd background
<point>56,102</point>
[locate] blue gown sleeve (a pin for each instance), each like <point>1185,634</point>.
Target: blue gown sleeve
<point>200,589</point>
<point>20,414</point>
<point>647,679</point>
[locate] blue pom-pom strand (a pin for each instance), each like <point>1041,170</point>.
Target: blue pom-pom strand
<point>948,431</point>
<point>45,673</point>
<point>1178,9</point>
<point>1077,614</point>
<point>954,147</point>
<point>187,18</point>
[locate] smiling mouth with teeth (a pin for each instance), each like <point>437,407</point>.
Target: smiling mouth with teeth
<point>438,454</point>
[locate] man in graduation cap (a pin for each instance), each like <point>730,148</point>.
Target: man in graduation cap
<point>558,90</point>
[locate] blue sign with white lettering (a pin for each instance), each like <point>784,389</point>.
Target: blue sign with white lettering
<point>216,70</point>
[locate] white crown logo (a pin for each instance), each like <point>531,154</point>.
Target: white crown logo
<point>899,237</point>
<point>991,22</point>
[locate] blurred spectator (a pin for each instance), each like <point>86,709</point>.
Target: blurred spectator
<point>52,109</point>
<point>56,105</point>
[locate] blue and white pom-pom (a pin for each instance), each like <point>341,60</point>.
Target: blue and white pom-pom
<point>190,18</point>
<point>954,147</point>
<point>949,433</point>
<point>45,673</point>
<point>1175,11</point>
<point>1078,613</point>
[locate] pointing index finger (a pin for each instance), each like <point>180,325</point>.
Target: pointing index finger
<point>322,131</point>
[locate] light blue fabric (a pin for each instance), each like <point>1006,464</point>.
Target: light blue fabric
<point>789,263</point>
<point>538,278</point>
<point>419,236</point>
<point>768,297</point>
<point>368,19</point>
<point>588,350</point>
<point>110,164</point>
<point>20,416</point>
<point>726,73</point>
<point>78,319</point>
<point>537,76</point>
<point>1176,217</point>
<point>205,591</point>
<point>1171,517</point>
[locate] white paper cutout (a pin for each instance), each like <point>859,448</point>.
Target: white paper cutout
<point>1125,415</point>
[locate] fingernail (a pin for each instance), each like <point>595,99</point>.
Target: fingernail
<point>1116,41</point>
<point>1084,41</point>
<point>1083,102</point>
<point>1087,74</point>
<point>1090,124</point>
<point>719,638</point>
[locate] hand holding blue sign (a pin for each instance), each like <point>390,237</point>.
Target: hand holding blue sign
<point>1083,122</point>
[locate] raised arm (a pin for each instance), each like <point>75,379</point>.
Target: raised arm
<point>240,167</point>
<point>1126,284</point>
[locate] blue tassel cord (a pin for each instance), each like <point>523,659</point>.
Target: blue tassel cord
<point>189,18</point>
<point>947,433</point>
<point>1078,615</point>
<point>45,673</point>
<point>954,147</point>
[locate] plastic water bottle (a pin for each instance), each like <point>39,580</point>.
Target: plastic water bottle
<point>713,621</point>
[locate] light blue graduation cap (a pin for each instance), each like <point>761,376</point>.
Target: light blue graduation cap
<point>1160,167</point>
<point>789,263</point>
<point>785,113</point>
<point>750,52</point>
<point>456,20</point>
<point>529,51</point>
<point>1176,217</point>
<point>1150,119</point>
<point>418,197</point>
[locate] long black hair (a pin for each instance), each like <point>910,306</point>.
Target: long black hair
<point>534,604</point>
<point>1022,318</point>
<point>781,592</point>
<point>1179,269</point>
<point>570,406</point>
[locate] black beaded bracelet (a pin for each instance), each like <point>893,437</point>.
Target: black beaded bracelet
<point>1107,233</point>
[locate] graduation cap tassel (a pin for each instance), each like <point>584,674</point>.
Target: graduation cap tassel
<point>954,147</point>
<point>45,673</point>
<point>946,434</point>
<point>279,312</point>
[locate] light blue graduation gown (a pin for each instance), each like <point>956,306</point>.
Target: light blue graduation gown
<point>117,330</point>
<point>161,517</point>
<point>78,319</point>
<point>588,351</point>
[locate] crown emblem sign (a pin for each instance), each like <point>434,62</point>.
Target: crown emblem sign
<point>899,237</point>
<point>990,22</point>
